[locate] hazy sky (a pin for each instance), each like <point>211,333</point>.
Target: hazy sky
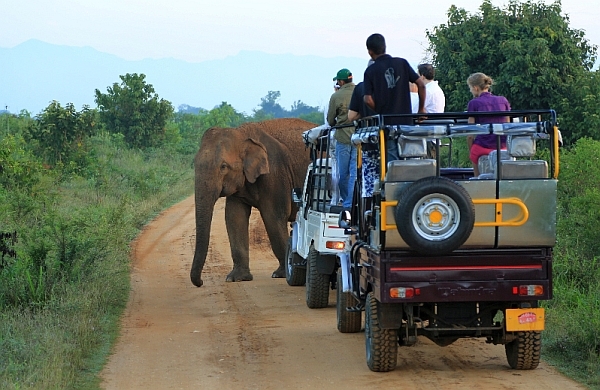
<point>195,31</point>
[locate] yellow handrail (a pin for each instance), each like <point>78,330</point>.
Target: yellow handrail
<point>382,155</point>
<point>518,221</point>
<point>384,205</point>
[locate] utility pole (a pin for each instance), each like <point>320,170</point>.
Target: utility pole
<point>7,121</point>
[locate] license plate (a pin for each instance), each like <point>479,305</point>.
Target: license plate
<point>524,319</point>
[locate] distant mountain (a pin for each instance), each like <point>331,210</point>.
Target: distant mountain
<point>34,73</point>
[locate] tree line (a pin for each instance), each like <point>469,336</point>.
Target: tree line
<point>536,59</point>
<point>132,109</point>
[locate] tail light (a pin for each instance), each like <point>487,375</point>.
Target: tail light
<point>529,290</point>
<point>404,292</point>
<point>335,245</point>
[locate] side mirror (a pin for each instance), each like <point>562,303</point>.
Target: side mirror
<point>297,196</point>
<point>345,221</point>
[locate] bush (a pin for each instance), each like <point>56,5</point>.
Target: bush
<point>572,336</point>
<point>579,199</point>
<point>69,280</point>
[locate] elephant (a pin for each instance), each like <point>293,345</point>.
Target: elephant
<point>254,165</point>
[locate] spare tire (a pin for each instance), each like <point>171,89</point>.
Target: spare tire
<point>435,215</point>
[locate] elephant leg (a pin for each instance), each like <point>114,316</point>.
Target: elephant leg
<point>277,229</point>
<point>237,217</point>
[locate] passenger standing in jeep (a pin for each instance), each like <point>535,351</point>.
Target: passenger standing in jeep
<point>387,89</point>
<point>481,145</point>
<point>345,151</point>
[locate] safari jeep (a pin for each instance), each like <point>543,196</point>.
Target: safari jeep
<point>316,239</point>
<point>439,253</point>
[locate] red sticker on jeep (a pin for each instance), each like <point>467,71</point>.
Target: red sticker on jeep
<point>527,318</point>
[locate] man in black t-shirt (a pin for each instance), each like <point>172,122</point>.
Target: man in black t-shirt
<point>386,86</point>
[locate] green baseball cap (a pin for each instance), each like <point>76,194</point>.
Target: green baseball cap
<point>343,74</point>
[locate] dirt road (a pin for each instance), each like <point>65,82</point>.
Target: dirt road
<point>261,335</point>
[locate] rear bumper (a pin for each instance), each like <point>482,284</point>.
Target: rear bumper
<point>463,276</point>
<point>483,291</point>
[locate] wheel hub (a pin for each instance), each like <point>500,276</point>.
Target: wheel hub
<point>436,217</point>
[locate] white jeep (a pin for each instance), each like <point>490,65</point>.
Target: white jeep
<point>316,238</point>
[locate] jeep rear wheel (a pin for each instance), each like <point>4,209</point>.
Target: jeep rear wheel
<point>381,344</point>
<point>317,285</point>
<point>294,275</point>
<point>524,352</point>
<point>347,321</point>
<point>435,215</point>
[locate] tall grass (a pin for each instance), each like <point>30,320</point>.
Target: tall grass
<point>61,296</point>
<point>572,336</point>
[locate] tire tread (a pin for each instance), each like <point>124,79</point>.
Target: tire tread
<point>525,351</point>
<point>317,285</point>
<point>382,351</point>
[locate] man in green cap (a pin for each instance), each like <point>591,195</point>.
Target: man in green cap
<point>345,151</point>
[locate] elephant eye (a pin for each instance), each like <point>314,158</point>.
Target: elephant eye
<point>223,166</point>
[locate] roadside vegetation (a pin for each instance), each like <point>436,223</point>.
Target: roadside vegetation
<point>538,61</point>
<point>76,187</point>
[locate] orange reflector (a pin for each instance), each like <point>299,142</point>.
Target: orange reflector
<point>335,245</point>
<point>402,292</point>
<point>531,290</point>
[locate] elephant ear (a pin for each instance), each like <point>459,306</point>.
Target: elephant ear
<point>256,161</point>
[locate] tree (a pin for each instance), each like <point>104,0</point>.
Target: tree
<point>579,110</point>
<point>269,108</point>
<point>191,127</point>
<point>14,124</point>
<point>61,133</point>
<point>223,116</point>
<point>19,168</point>
<point>133,109</point>
<point>528,48</point>
<point>300,108</point>
<point>187,109</point>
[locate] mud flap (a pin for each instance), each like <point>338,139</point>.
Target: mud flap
<point>326,264</point>
<point>389,315</point>
<point>346,276</point>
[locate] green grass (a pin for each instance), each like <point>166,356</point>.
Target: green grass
<point>572,337</point>
<point>571,341</point>
<point>62,296</point>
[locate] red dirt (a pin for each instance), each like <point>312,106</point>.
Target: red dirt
<point>260,334</point>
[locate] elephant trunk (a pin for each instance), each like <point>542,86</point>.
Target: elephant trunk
<point>204,211</point>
